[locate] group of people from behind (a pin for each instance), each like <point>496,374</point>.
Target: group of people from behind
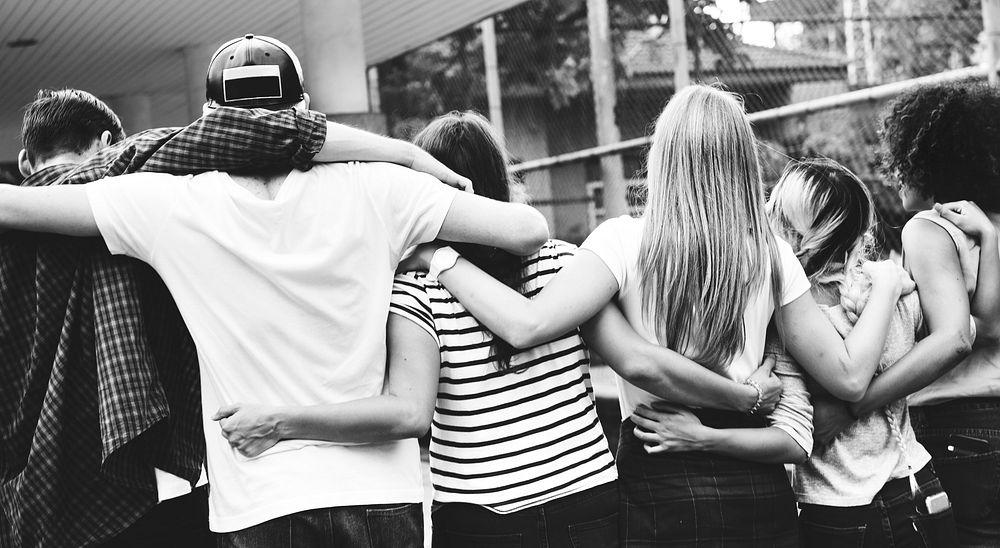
<point>746,333</point>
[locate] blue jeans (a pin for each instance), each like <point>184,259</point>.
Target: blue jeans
<point>588,519</point>
<point>372,526</point>
<point>970,474</point>
<point>894,519</point>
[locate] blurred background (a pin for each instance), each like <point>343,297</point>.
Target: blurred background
<point>558,77</point>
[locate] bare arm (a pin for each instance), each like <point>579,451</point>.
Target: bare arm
<point>670,428</point>
<point>404,411</point>
<point>932,259</point>
<point>985,305</point>
<point>572,296</point>
<point>345,143</point>
<point>666,373</point>
<point>517,228</point>
<point>59,209</point>
<point>843,366</point>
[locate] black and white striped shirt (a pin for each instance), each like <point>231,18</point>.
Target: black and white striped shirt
<point>507,441</point>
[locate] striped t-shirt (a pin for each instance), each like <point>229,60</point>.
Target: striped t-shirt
<point>507,441</point>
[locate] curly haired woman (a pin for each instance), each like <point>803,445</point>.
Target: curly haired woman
<point>942,144</point>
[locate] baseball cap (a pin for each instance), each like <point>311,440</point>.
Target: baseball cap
<point>254,71</point>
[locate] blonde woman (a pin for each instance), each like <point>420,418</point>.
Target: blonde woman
<point>702,273</point>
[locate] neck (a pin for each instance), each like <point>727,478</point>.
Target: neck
<point>59,159</point>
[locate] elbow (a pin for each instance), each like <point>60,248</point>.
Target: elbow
<point>852,388</point>
<point>526,334</point>
<point>533,233</point>
<point>796,455</point>
<point>413,423</point>
<point>960,346</point>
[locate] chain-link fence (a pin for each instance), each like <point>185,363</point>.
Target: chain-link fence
<point>774,53</point>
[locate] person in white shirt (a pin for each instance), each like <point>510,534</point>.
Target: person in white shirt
<point>284,281</point>
<point>703,274</point>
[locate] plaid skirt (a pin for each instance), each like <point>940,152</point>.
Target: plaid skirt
<point>701,499</point>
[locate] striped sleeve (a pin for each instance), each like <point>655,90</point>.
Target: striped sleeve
<point>410,301</point>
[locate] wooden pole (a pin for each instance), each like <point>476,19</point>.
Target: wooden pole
<point>678,40</point>
<point>602,78</point>
<point>991,35</point>
<point>489,33</point>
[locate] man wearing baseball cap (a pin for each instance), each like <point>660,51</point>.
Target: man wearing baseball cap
<point>133,391</point>
<point>283,279</point>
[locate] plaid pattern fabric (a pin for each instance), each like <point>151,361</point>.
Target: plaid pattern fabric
<point>98,378</point>
<point>698,499</point>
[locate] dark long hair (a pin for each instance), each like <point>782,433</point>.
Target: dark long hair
<point>467,143</point>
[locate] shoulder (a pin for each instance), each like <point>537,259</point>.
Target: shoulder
<point>925,237</point>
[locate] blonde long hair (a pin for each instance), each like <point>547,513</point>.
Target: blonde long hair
<point>707,247</point>
<point>827,215</point>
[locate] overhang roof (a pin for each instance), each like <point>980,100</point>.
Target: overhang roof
<point>113,47</point>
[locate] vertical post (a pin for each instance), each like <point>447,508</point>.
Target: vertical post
<point>374,99</point>
<point>333,55</point>
<point>872,71</point>
<point>602,78</point>
<point>491,66</point>
<point>850,44</point>
<point>678,39</point>
<point>991,35</point>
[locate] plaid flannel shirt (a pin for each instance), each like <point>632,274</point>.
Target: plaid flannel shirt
<point>98,375</point>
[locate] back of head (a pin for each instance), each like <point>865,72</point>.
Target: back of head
<point>254,71</point>
<point>66,121</point>
<point>826,213</point>
<point>467,143</point>
<point>705,235</point>
<point>944,140</point>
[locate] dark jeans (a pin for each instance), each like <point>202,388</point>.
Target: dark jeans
<point>970,475</point>
<point>181,521</point>
<point>697,499</point>
<point>588,519</point>
<point>894,519</point>
<point>372,526</point>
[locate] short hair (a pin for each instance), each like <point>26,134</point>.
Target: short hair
<point>66,120</point>
<point>943,140</point>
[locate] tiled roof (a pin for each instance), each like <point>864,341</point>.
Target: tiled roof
<point>644,54</point>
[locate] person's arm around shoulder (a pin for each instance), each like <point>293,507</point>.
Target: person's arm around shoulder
<point>345,143</point>
<point>517,228</point>
<point>58,209</point>
<point>932,259</point>
<point>844,366</point>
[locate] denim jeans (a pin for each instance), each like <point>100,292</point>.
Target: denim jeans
<point>894,519</point>
<point>372,526</point>
<point>970,477</point>
<point>588,519</point>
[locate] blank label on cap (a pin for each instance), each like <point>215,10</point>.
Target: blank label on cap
<point>251,82</point>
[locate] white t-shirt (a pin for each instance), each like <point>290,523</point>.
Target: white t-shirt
<point>287,301</point>
<point>617,243</point>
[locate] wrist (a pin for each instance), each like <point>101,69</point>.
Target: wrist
<point>707,439</point>
<point>281,422</point>
<point>746,398</point>
<point>754,407</point>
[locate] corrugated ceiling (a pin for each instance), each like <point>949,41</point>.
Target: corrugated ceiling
<point>113,47</point>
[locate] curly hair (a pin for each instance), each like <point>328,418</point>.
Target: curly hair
<point>944,141</point>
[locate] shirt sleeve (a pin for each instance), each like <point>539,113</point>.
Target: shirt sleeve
<point>410,300</point>
<point>794,412</point>
<point>228,139</point>
<point>413,205</point>
<point>607,241</point>
<point>131,211</point>
<point>794,282</point>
